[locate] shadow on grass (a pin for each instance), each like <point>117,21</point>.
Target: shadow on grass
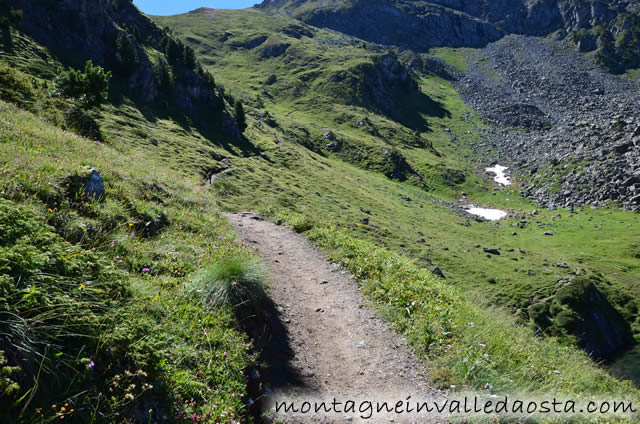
<point>206,119</point>
<point>413,108</point>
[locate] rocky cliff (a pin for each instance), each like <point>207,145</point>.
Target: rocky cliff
<point>581,309</point>
<point>610,26</point>
<point>79,30</point>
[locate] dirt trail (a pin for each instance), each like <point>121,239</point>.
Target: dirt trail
<point>338,347</point>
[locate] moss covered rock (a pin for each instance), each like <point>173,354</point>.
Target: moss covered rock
<point>582,310</point>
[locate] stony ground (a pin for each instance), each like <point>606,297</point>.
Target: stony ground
<point>578,136</point>
<point>337,346</point>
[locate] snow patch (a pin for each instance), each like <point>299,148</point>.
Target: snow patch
<point>501,176</point>
<point>486,213</point>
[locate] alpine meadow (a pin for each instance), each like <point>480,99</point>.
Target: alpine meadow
<point>378,200</point>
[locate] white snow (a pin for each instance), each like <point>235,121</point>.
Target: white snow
<point>501,176</point>
<point>486,213</point>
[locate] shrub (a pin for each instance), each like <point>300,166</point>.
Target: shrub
<point>239,115</point>
<point>126,54</point>
<point>15,87</point>
<point>163,74</point>
<point>90,88</point>
<point>173,50</point>
<point>211,81</point>
<point>189,57</point>
<point>300,223</point>
<point>8,387</point>
<point>232,282</point>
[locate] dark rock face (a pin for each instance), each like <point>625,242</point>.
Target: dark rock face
<point>581,309</point>
<point>611,26</point>
<point>599,326</point>
<point>230,127</point>
<point>421,25</point>
<point>87,29</point>
<point>418,26</point>
<point>586,44</point>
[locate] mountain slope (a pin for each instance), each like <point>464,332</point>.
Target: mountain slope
<point>333,95</point>
<point>610,26</point>
<point>97,320</point>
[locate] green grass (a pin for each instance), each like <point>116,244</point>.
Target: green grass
<point>159,227</point>
<point>105,283</point>
<point>466,346</point>
<point>323,185</point>
<point>633,74</point>
<point>233,282</point>
<point>306,103</point>
<point>454,57</point>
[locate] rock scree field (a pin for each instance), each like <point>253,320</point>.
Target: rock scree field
<point>444,199</point>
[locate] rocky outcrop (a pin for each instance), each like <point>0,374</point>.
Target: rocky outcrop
<point>384,85</point>
<point>85,185</point>
<point>88,29</point>
<point>274,50</point>
<point>417,25</point>
<point>579,308</point>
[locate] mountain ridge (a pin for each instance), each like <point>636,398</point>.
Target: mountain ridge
<point>611,27</point>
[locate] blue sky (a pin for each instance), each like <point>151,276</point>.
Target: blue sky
<point>173,7</point>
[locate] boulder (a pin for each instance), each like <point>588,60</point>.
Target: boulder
<point>582,310</point>
<point>86,185</point>
<point>94,187</point>
<point>438,272</point>
<point>492,251</point>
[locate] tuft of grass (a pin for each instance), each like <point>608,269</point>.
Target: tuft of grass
<point>233,282</point>
<point>298,222</point>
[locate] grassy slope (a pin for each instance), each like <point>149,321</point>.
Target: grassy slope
<point>293,179</point>
<point>107,282</point>
<point>305,104</point>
